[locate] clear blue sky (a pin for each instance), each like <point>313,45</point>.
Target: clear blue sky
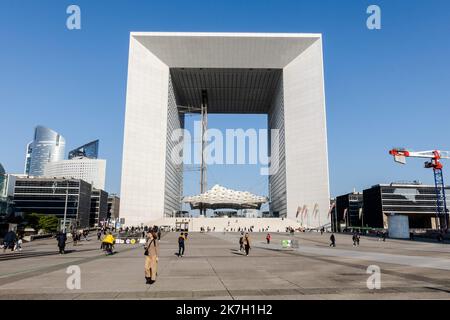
<point>384,88</point>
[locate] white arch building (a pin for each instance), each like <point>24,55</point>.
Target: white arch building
<point>263,73</point>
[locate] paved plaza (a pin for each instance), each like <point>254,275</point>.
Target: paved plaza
<point>213,268</point>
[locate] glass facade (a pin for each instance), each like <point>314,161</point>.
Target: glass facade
<point>48,196</point>
<point>349,210</point>
<point>418,202</point>
<point>47,146</point>
<point>99,207</point>
<point>2,181</point>
<point>89,150</point>
<point>3,195</point>
<point>28,158</point>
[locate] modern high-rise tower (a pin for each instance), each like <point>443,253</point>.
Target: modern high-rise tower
<point>89,150</point>
<point>47,146</point>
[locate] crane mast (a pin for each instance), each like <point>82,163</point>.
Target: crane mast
<point>434,163</point>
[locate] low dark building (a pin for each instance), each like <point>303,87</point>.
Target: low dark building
<point>113,207</point>
<point>348,211</point>
<point>415,200</point>
<point>99,207</point>
<point>50,196</point>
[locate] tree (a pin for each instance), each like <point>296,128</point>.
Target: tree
<point>33,221</point>
<point>49,223</point>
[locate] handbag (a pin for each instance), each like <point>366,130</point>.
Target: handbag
<point>146,250</point>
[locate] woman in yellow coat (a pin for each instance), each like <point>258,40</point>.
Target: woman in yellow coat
<point>151,257</point>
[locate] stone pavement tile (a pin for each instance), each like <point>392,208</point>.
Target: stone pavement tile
<point>95,296</point>
<point>271,283</point>
<point>280,297</point>
<point>35,296</point>
<point>182,283</point>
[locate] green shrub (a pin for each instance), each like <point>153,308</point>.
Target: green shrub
<point>49,223</point>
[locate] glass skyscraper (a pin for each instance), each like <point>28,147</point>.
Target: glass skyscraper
<point>28,158</point>
<point>2,181</point>
<point>47,146</point>
<point>89,150</point>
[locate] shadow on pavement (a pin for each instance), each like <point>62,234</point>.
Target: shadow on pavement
<point>24,255</point>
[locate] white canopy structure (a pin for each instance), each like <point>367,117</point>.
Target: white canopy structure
<point>219,197</point>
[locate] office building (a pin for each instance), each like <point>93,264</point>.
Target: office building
<point>90,170</point>
<point>28,158</point>
<point>99,207</point>
<point>51,196</point>
<point>113,207</point>
<point>349,209</point>
<point>47,146</point>
<point>6,193</point>
<point>414,200</point>
<point>89,150</point>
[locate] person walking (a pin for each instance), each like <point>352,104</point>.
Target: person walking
<point>61,238</point>
<point>151,257</point>
<point>159,234</point>
<point>74,234</point>
<point>333,240</point>
<point>18,246</point>
<point>241,242</point>
<point>247,244</point>
<point>181,240</point>
<point>357,239</point>
<point>99,234</point>
<point>268,238</point>
<point>9,241</point>
<point>354,239</point>
<point>384,236</point>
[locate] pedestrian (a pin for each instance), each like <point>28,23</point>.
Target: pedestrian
<point>61,238</point>
<point>99,234</point>
<point>384,236</point>
<point>19,244</point>
<point>354,239</point>
<point>268,237</point>
<point>151,258</point>
<point>9,241</point>
<point>357,239</point>
<point>241,242</point>
<point>181,240</point>
<point>159,234</point>
<point>333,240</point>
<point>74,236</point>
<point>247,244</point>
<point>322,230</point>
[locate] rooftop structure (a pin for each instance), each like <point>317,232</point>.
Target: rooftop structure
<point>219,198</point>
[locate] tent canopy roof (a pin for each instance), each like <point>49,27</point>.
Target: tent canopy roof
<point>219,197</point>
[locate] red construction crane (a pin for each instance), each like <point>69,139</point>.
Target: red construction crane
<point>435,156</point>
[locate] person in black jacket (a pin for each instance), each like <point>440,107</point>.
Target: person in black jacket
<point>61,238</point>
<point>333,240</point>
<point>181,241</point>
<point>9,241</point>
